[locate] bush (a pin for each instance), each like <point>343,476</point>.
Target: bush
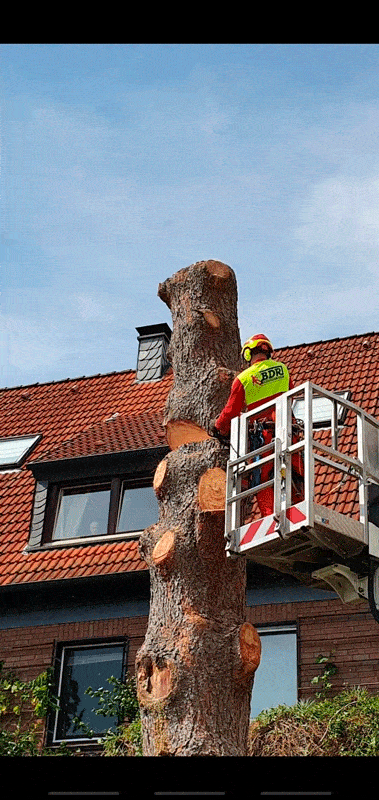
<point>125,741</point>
<point>23,709</point>
<point>345,725</point>
<point>24,706</point>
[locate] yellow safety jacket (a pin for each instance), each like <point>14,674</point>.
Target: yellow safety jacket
<point>264,379</point>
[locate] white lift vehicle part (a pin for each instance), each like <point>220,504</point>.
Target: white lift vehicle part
<point>309,539</point>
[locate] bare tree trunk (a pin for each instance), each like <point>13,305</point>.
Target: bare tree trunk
<point>196,667</point>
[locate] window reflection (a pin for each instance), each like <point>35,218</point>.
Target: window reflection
<point>82,513</point>
<point>275,681</point>
<point>139,509</point>
<point>83,668</point>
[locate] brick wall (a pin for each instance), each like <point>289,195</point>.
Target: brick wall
<point>29,651</point>
<point>323,627</point>
<point>326,626</point>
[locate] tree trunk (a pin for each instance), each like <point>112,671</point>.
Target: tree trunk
<point>196,667</point>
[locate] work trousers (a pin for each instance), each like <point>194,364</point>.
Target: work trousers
<point>265,498</point>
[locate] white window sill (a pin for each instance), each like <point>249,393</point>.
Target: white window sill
<point>80,541</point>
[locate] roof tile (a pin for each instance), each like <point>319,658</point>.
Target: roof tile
<point>113,413</point>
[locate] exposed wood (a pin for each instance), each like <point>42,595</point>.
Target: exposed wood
<point>159,476</point>
<point>155,682</point>
<point>212,490</point>
<point>211,318</point>
<point>218,269</point>
<point>250,647</point>
<point>164,548</point>
<point>195,669</point>
<point>181,432</point>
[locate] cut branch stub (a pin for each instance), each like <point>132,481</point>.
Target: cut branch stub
<point>164,549</point>
<point>212,490</point>
<point>154,682</point>
<point>210,317</point>
<point>159,476</point>
<point>180,432</point>
<point>250,647</point>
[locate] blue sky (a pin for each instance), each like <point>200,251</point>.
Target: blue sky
<point>123,163</point>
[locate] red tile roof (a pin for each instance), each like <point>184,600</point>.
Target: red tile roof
<point>73,417</point>
<point>115,435</point>
<point>76,418</point>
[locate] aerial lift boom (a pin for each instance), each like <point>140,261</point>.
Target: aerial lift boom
<point>311,539</point>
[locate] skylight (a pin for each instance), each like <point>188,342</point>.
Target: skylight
<point>13,451</point>
<point>322,410</point>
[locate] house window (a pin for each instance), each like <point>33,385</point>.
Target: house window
<point>138,508</point>
<point>82,512</point>
<point>275,681</point>
<point>80,667</point>
<point>86,511</point>
<point>14,450</point>
<point>322,410</point>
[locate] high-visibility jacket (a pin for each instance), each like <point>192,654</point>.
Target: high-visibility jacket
<point>262,381</point>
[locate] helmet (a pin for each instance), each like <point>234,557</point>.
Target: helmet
<point>259,340</point>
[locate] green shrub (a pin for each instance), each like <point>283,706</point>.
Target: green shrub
<point>24,706</point>
<point>345,725</point>
<point>23,709</point>
<point>125,741</point>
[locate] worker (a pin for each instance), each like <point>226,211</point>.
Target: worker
<point>263,380</point>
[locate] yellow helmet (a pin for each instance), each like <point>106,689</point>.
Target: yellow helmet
<point>258,340</point>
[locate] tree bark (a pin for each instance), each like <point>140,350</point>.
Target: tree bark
<point>196,667</point>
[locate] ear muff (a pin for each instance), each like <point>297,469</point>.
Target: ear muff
<point>247,354</point>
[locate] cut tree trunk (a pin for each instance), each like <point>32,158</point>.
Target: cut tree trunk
<point>196,667</point>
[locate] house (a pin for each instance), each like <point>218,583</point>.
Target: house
<point>77,460</point>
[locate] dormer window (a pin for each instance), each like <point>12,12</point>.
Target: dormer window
<point>98,486</point>
<point>120,507</point>
<point>15,450</point>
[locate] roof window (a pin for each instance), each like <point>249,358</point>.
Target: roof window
<point>322,410</point>
<point>15,449</point>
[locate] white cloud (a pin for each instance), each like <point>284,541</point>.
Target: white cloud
<point>341,217</point>
<point>314,312</point>
<point>283,187</point>
<point>28,345</point>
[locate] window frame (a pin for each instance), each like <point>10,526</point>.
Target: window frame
<point>116,484</point>
<point>274,629</point>
<point>58,666</point>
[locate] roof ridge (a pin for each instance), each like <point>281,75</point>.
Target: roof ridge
<point>130,371</point>
<point>67,380</point>
<point>325,341</point>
